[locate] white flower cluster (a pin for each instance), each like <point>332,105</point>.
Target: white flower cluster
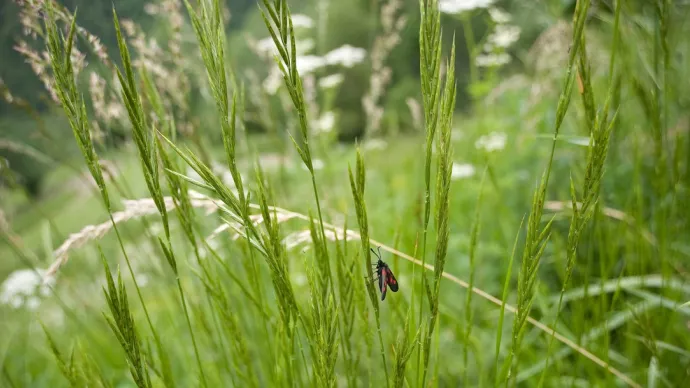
<point>346,56</point>
<point>459,6</point>
<point>503,36</point>
<point>331,81</point>
<point>494,141</point>
<point>461,171</point>
<point>23,288</point>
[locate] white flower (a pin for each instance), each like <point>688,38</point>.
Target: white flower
<point>308,63</point>
<point>491,142</point>
<point>458,6</point>
<point>504,36</point>
<point>331,81</point>
<point>489,60</point>
<point>326,122</point>
<point>460,171</point>
<point>346,55</point>
<point>498,15</point>
<point>22,286</point>
<point>300,20</point>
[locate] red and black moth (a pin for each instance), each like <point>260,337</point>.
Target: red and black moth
<point>385,275</point>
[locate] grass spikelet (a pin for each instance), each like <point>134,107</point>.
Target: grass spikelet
<point>357,185</point>
<point>403,349</point>
<point>600,133</point>
<point>537,236</point>
<point>123,326</point>
<point>438,111</point>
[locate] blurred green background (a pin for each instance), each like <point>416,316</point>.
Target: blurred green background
<point>359,61</point>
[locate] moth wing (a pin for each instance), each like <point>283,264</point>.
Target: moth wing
<point>391,280</point>
<point>382,280</point>
<point>385,287</point>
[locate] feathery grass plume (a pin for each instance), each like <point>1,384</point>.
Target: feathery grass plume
<point>209,29</point>
<point>210,32</point>
<point>68,369</point>
<point>59,49</point>
<point>79,373</point>
<point>430,77</point>
<point>442,200</point>
<point>276,259</point>
<point>278,21</point>
<point>357,184</point>
<point>345,269</point>
<point>241,357</point>
<point>324,327</point>
<point>122,324</point>
<point>538,237</point>
<point>474,236</point>
<point>403,349</point>
<point>145,140</point>
<point>600,131</point>
<point>324,340</point>
<point>133,209</point>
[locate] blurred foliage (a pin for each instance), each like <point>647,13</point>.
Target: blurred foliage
<point>355,23</point>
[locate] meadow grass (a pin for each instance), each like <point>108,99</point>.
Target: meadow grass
<point>257,280</point>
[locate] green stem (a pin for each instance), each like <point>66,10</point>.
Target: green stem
<point>191,331</point>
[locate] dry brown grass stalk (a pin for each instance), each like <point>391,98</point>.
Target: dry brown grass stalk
<point>133,209</point>
<point>392,24</point>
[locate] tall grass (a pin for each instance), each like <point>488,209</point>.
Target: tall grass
<point>237,303</point>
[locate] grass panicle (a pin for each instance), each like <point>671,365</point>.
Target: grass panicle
<point>430,75</point>
<point>60,49</point>
<point>324,326</point>
<point>346,283</point>
<point>278,20</point>
<point>68,368</point>
<point>357,185</point>
<point>438,112</point>
<point>600,128</point>
<point>403,350</point>
<point>537,236</point>
<point>264,296</point>
<point>145,140</point>
<point>122,324</point>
